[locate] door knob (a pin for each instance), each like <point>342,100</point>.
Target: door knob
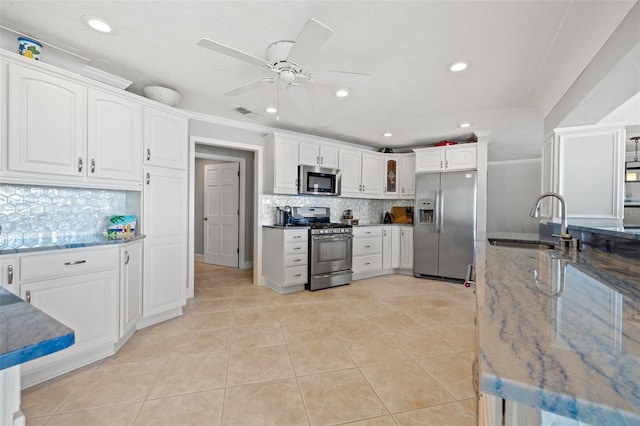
<point>206,218</point>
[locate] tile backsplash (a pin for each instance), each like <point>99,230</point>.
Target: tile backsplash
<point>367,211</point>
<point>30,213</point>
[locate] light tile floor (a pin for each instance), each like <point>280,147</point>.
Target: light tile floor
<point>382,351</point>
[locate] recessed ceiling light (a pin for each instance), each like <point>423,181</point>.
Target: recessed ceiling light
<point>458,66</point>
<point>99,24</point>
<point>465,125</point>
<point>388,135</point>
<point>271,110</point>
<point>342,93</point>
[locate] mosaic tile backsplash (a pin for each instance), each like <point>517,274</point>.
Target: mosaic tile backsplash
<point>29,213</point>
<point>367,211</point>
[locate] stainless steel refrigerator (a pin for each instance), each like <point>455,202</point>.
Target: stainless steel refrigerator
<point>444,224</point>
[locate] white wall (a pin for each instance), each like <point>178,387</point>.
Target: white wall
<point>513,186</point>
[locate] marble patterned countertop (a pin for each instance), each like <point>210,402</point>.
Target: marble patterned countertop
<point>560,330</point>
<point>27,332</point>
<point>628,233</point>
<point>43,244</point>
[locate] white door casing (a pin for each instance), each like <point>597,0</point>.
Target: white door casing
<point>221,199</point>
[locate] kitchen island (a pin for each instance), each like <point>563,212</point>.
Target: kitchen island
<point>560,332</point>
<point>26,333</point>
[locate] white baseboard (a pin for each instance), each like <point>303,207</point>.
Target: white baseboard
<point>246,265</point>
<point>155,319</point>
<point>198,257</point>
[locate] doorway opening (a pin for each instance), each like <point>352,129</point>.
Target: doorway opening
<point>247,242</point>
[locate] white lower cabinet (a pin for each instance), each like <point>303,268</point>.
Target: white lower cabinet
<point>367,251</point>
<point>402,248</point>
<point>285,259</point>
<point>130,287</point>
<point>379,250</point>
<point>82,293</point>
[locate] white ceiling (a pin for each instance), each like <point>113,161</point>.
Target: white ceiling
<point>524,56</point>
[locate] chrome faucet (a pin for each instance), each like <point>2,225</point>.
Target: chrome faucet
<point>566,240</point>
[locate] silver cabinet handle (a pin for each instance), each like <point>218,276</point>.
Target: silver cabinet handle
<point>297,260</point>
<point>148,154</point>
<point>10,274</point>
<point>297,248</point>
<point>367,263</point>
<point>79,164</point>
<point>441,164</point>
<point>367,246</point>
<point>403,189</point>
<point>126,257</point>
<point>297,236</point>
<point>297,275</point>
<point>384,232</point>
<point>28,295</point>
<point>446,164</point>
<point>148,178</point>
<point>75,262</point>
<point>368,232</point>
<point>321,160</point>
<point>93,165</point>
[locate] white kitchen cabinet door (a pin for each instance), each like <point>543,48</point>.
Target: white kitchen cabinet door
<point>4,99</point>
<point>329,156</point>
<point>387,247</point>
<point>9,274</point>
<point>461,157</point>
<point>114,137</point>
<point>372,173</point>
<point>430,159</point>
<point>406,248</point>
<point>395,247</point>
<point>166,139</point>
<point>285,166</point>
<point>130,286</point>
<point>351,169</point>
<point>391,170</point>
<point>590,174</point>
<point>407,176</point>
<point>165,247</point>
<point>86,303</point>
<point>46,123</point>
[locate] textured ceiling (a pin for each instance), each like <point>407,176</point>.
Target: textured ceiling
<point>524,56</point>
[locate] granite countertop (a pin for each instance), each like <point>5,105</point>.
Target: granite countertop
<point>43,244</point>
<point>27,332</point>
<point>628,233</point>
<point>561,331</point>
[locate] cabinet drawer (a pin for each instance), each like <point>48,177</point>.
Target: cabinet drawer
<point>295,275</point>
<point>367,263</point>
<point>295,248</point>
<point>295,236</point>
<point>367,232</point>
<point>295,260</point>
<point>365,246</point>
<point>67,263</point>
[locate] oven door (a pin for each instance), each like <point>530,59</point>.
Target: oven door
<point>331,253</point>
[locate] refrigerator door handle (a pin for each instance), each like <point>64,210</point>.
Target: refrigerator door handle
<point>440,209</point>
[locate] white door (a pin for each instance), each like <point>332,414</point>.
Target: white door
<point>221,193</point>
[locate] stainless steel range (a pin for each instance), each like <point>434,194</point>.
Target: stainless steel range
<point>330,246</point>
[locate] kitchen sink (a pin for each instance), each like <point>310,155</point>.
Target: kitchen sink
<point>537,245</point>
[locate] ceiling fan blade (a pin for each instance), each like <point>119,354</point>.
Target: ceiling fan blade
<point>340,78</point>
<point>299,96</point>
<point>311,38</point>
<point>230,51</point>
<point>249,86</point>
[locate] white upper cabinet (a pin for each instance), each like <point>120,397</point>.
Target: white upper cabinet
<point>372,168</point>
<point>585,165</point>
<point>315,154</point>
<point>165,139</point>
<point>46,120</point>
<point>399,175</point>
<point>114,137</point>
<point>281,164</point>
<point>446,158</point>
<point>362,173</point>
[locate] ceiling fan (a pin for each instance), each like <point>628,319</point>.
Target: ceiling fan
<point>287,59</point>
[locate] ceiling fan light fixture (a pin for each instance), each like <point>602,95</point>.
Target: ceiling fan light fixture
<point>464,125</point>
<point>342,93</point>
<point>387,134</point>
<point>271,110</point>
<point>458,66</point>
<point>99,24</point>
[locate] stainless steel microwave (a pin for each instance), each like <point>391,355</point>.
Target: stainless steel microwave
<point>314,180</point>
